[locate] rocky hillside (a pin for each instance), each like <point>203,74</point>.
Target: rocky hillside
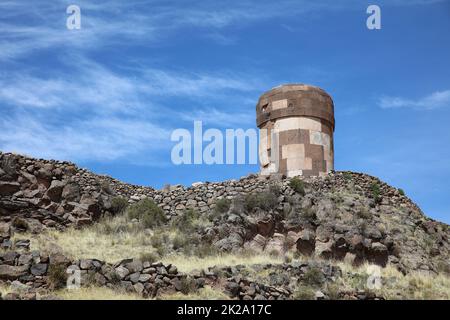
<point>343,216</point>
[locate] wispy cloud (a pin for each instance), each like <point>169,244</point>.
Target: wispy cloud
<point>98,113</point>
<point>231,120</point>
<point>435,100</point>
<point>29,26</point>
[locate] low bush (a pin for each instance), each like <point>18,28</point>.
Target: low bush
<point>304,293</point>
<point>186,221</point>
<point>188,285</point>
<point>313,277</point>
<point>222,205</point>
<point>147,212</point>
<point>263,200</point>
<point>118,205</point>
<point>297,185</point>
<point>149,257</point>
<point>376,192</point>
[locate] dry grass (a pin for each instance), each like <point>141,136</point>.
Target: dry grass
<point>111,240</point>
<point>206,293</point>
<point>96,293</point>
<point>116,238</point>
<point>395,285</point>
<point>4,289</point>
<point>189,263</point>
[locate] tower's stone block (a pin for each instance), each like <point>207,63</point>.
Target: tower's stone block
<point>296,122</point>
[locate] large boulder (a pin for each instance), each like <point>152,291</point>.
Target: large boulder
<point>8,188</point>
<point>306,242</point>
<point>55,190</point>
<point>71,192</point>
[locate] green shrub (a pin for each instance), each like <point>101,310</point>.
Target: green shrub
<point>222,205</point>
<point>347,176</point>
<point>186,221</point>
<point>376,191</point>
<point>401,192</point>
<point>297,185</point>
<point>313,277</point>
<point>147,212</point>
<point>263,200</point>
<point>118,205</point>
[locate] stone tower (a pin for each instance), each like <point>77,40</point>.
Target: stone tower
<point>296,123</point>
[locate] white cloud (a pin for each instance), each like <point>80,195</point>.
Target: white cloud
<point>93,139</point>
<point>231,120</point>
<point>435,100</point>
<point>96,113</point>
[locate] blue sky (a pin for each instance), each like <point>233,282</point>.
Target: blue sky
<point>108,96</point>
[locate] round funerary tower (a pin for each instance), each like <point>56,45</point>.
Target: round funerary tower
<point>296,123</point>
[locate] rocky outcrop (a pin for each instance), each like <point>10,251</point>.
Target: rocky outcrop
<point>343,215</point>
<point>41,193</point>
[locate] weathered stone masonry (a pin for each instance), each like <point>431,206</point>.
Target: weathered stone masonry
<point>301,120</point>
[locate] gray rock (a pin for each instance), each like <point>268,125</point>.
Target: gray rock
<point>55,190</point>
<point>38,269</point>
<point>134,277</point>
<point>122,272</point>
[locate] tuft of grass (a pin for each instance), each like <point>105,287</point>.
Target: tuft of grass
<point>363,213</point>
<point>149,257</point>
<point>297,185</point>
<point>304,293</point>
<point>206,293</point>
<point>188,285</point>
